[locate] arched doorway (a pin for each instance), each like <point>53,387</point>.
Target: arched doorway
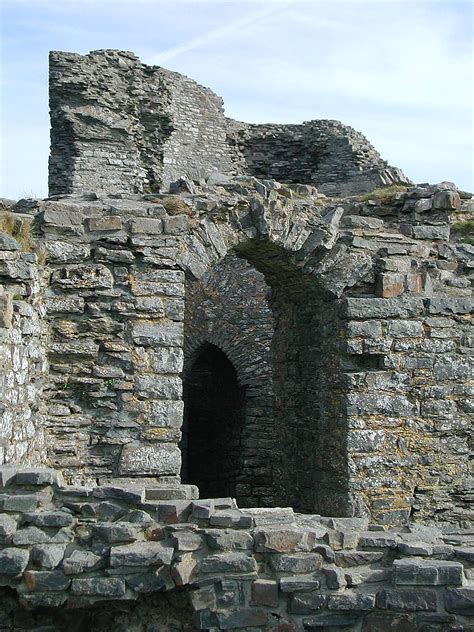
<point>214,413</point>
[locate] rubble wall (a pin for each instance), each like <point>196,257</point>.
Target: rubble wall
<point>23,365</point>
<point>109,557</point>
<point>118,125</point>
<point>369,354</point>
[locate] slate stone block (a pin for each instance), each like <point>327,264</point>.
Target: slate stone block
<point>156,460</point>
<point>459,600</point>
<point>103,586</point>
<point>301,563</point>
<point>7,526</point>
<point>80,561</point>
<point>411,600</point>
<point>13,561</point>
<point>244,618</point>
<point>115,532</point>
<point>331,621</point>
<point>265,593</point>
<point>19,502</point>
<point>299,583</point>
<point>306,602</point>
<point>286,539</point>
<point>45,581</point>
<point>140,554</point>
<point>418,572</point>
<point>351,601</point>
<point>228,563</point>
<point>48,556</point>
<point>48,519</point>
<point>105,223</point>
<point>335,578</point>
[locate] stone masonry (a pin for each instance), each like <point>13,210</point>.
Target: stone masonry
<point>188,316</point>
<point>119,125</point>
<point>110,558</point>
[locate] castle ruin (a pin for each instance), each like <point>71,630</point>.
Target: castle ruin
<point>235,373</point>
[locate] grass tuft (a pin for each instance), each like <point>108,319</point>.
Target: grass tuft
<point>464,231</point>
<point>174,205</point>
<point>385,195</point>
<point>21,229</point>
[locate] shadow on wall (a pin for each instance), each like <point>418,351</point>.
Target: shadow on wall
<point>214,416</point>
<point>300,460</point>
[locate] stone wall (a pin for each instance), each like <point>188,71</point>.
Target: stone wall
<point>23,366</point>
<point>362,325</point>
<point>119,125</point>
<point>148,565</point>
<point>330,155</point>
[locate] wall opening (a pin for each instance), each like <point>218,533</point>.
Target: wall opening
<point>214,413</point>
<point>292,439</point>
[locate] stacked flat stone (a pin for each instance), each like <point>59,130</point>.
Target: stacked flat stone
<point>253,569</point>
<point>119,125</point>
<point>369,352</point>
<point>22,354</point>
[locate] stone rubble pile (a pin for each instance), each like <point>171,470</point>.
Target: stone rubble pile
<point>252,569</point>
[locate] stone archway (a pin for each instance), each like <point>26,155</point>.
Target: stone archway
<point>214,413</point>
<point>295,453</point>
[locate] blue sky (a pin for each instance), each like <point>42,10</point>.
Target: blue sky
<point>401,72</point>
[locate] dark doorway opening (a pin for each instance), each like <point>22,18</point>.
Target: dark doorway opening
<point>214,414</point>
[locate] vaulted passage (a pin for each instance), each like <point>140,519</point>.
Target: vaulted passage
<point>214,415</point>
<point>281,331</point>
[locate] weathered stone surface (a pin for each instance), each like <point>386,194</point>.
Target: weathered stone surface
<point>141,554</point>
<point>285,540</point>
<point>102,586</point>
<point>80,561</point>
<point>44,581</point>
<point>427,572</point>
<point>48,556</point>
<point>351,601</point>
<point>406,600</point>
<point>13,561</point>
<point>306,603</point>
<point>459,600</point>
<point>265,593</point>
<point>157,460</point>
<point>297,563</point>
<point>228,562</point>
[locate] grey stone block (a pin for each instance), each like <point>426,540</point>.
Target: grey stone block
<point>45,581</point>
<point>406,600</point>
<point>299,583</point>
<point>7,526</point>
<point>156,460</point>
<point>243,618</point>
<point>80,561</point>
<point>351,601</point>
<point>19,502</point>
<point>427,572</point>
<point>115,532</point>
<point>48,556</point>
<point>48,519</point>
<point>140,554</point>
<point>145,583</point>
<point>459,600</point>
<point>13,561</point>
<point>300,563</point>
<point>102,586</point>
<point>228,563</point>
<point>330,621</point>
<point>306,603</point>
